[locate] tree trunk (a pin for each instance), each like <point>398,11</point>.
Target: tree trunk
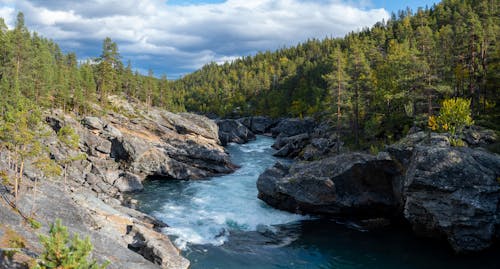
<point>65,177</point>
<point>356,116</point>
<point>338,105</point>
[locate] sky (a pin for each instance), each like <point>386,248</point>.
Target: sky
<point>176,37</point>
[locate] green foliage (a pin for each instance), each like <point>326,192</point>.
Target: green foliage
<point>4,177</point>
<point>34,223</point>
<point>374,149</point>
<point>47,166</point>
<point>13,241</point>
<point>391,75</point>
<point>61,251</point>
<point>457,142</point>
<point>454,115</point>
<point>68,136</point>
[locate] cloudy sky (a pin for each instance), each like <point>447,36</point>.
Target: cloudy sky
<point>175,37</point>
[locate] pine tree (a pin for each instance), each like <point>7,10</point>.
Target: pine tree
<point>70,139</point>
<point>109,68</point>
<point>62,252</point>
<point>337,82</point>
<point>360,73</point>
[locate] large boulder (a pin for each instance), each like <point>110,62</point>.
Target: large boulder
<point>232,131</point>
<point>258,124</point>
<point>311,144</point>
<point>291,127</point>
<point>402,151</point>
<point>291,146</point>
<point>188,123</point>
<point>454,193</point>
<point>347,185</point>
<point>128,182</point>
<point>93,123</point>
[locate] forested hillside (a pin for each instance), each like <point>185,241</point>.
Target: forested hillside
<point>378,82</point>
<point>34,72</point>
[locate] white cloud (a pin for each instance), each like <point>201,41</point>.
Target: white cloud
<point>7,12</point>
<point>184,37</point>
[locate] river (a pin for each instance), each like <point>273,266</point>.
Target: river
<point>220,223</point>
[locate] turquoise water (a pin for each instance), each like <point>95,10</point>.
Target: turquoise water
<point>220,223</point>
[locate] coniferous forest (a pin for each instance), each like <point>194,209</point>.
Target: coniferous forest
<point>383,80</point>
<point>378,81</point>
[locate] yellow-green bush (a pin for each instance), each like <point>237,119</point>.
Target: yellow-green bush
<point>454,115</point>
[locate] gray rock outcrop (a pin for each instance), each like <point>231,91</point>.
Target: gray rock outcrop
<point>232,131</point>
<point>294,126</point>
<point>454,193</point>
<point>441,191</point>
<point>349,185</point>
<point>114,155</point>
<point>304,140</point>
<point>259,124</point>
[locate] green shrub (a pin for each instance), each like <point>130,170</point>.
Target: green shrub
<point>65,253</point>
<point>34,223</point>
<point>454,115</point>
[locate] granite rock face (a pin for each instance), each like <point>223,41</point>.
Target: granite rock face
<point>347,185</point>
<point>259,124</point>
<point>115,154</point>
<point>233,131</point>
<point>306,140</point>
<point>293,126</point>
<point>446,192</point>
<point>454,193</point>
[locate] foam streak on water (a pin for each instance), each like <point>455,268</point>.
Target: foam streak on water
<point>206,212</point>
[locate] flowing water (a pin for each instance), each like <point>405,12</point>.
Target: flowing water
<point>220,223</point>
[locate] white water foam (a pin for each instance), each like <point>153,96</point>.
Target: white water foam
<point>205,212</point>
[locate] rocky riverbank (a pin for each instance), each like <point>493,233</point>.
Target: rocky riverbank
<point>120,148</point>
<point>443,192</point>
